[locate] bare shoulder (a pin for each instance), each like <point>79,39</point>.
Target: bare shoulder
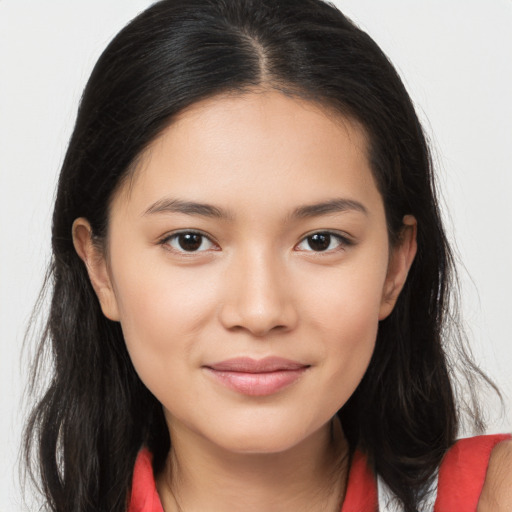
<point>497,491</point>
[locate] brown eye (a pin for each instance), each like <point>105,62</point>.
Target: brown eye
<point>323,241</point>
<point>189,241</point>
<point>319,241</point>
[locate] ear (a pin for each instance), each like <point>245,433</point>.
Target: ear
<point>400,261</point>
<point>97,267</point>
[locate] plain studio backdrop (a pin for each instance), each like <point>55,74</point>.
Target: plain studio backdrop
<point>455,57</point>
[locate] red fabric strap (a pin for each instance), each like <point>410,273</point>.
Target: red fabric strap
<point>462,473</point>
<point>144,496</point>
<point>361,494</point>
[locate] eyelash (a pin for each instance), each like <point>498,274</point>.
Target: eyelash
<point>174,236</point>
<point>343,241</point>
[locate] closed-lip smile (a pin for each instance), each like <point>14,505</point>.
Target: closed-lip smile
<point>257,377</point>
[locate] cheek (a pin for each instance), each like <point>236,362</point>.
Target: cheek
<point>161,313</point>
<point>349,346</point>
<point>345,316</point>
<point>346,302</point>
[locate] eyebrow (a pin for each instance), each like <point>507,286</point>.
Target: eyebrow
<point>326,207</point>
<point>167,205</point>
<point>337,205</point>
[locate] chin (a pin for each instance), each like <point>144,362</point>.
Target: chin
<point>263,438</point>
<point>267,444</point>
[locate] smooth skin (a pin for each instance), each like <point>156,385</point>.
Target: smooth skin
<point>252,227</point>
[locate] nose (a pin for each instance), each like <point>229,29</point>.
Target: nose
<point>257,297</point>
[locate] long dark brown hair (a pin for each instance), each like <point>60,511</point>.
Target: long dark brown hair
<point>95,413</point>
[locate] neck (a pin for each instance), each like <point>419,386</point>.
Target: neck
<point>309,477</point>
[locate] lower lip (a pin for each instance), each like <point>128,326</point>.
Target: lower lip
<point>258,384</point>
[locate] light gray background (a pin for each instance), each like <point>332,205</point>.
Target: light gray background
<point>456,59</point>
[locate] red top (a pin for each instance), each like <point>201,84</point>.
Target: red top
<point>462,473</point>
<point>461,478</point>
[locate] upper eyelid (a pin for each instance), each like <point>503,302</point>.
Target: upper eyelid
<point>173,234</point>
<point>342,235</point>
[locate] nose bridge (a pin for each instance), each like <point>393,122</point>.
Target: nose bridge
<point>257,299</point>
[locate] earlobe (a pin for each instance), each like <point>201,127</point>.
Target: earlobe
<point>96,265</point>
<point>400,262</point>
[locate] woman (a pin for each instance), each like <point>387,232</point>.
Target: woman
<point>250,279</point>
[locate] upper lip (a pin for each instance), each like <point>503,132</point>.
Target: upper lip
<point>249,365</point>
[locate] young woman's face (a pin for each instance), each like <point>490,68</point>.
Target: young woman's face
<point>248,263</point>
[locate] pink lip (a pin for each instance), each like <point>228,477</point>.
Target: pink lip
<point>257,377</point>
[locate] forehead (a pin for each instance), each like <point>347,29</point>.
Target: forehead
<point>264,145</point>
